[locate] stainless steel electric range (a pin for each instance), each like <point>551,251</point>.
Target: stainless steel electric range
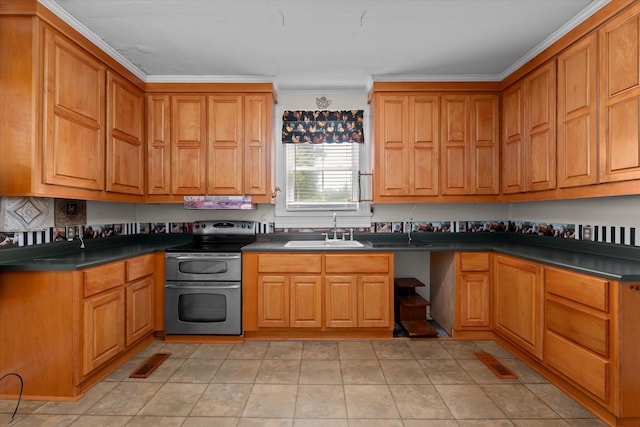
<point>203,287</point>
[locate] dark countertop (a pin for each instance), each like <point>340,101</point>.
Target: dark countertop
<point>68,255</point>
<point>604,260</point>
<point>614,262</point>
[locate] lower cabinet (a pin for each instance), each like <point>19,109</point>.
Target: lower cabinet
<point>517,302</point>
<point>67,329</point>
<point>577,332</point>
<point>580,331</point>
<point>357,301</point>
<point>319,291</point>
<point>117,309</point>
<point>139,316</point>
<point>473,292</point>
<point>103,328</point>
<point>289,301</point>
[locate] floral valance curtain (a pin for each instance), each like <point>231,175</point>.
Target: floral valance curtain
<point>318,127</point>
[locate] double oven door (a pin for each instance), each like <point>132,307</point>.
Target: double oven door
<point>203,294</point>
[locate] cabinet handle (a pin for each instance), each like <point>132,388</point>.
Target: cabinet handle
<point>360,175</point>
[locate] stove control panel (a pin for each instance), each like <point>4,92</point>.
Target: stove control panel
<point>224,227</point>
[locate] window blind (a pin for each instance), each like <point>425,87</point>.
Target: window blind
<point>322,176</point>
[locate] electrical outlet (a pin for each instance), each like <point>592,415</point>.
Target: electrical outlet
<point>586,232</point>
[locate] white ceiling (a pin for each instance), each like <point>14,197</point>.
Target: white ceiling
<point>323,45</point>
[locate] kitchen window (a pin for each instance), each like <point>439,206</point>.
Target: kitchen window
<point>318,171</point>
<point>322,176</point>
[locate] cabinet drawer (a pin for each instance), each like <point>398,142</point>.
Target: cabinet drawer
<point>579,364</point>
<point>474,261</point>
<point>139,267</point>
<point>587,290</point>
<point>357,263</point>
<point>101,278</point>
<point>289,263</point>
<point>584,328</point>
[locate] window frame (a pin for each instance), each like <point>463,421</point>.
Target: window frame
<point>321,218</point>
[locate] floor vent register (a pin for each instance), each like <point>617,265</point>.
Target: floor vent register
<point>150,365</point>
<point>496,366</point>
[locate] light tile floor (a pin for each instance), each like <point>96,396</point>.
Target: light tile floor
<point>383,383</point>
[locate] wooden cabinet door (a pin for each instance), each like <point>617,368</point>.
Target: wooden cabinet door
<point>341,301</point>
<point>258,148</point>
<point>225,149</point>
<point>485,144</point>
<point>407,145</point>
<point>512,169</point>
<point>188,144</point>
<point>517,303</point>
<point>577,114</point>
<point>392,146</point>
<point>424,113</point>
<point>455,163</point>
<point>373,301</point>
<point>139,304</point>
<point>73,115</point>
<point>619,97</point>
<point>473,300</point>
<point>305,293</point>
<point>540,135</point>
<point>158,144</point>
<point>273,301</point>
<point>102,329</point>
<point>125,147</point>
<point>473,292</point>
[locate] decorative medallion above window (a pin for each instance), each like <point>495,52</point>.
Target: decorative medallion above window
<point>319,127</point>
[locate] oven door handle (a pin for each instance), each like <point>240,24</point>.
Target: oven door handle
<point>207,258</point>
<point>206,287</point>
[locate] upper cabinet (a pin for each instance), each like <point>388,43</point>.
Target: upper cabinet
<point>73,115</point>
<point>435,144</point>
<point>406,145</point>
<point>619,97</point>
<point>225,150</point>
<point>238,148</point>
<point>513,139</point>
<point>470,144</point>
<point>209,143</point>
<point>188,144</point>
<point>158,144</point>
<point>258,149</point>
<point>73,120</point>
<point>577,137</point>
<point>125,141</point>
<point>455,144</point>
<point>540,131</point>
<point>528,127</point>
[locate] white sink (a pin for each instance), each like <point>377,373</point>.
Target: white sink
<point>323,244</point>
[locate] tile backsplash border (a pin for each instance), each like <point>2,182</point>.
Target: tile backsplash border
<point>598,233</point>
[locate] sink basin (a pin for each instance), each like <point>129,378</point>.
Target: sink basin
<point>323,244</point>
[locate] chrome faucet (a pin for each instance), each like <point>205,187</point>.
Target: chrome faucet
<point>335,226</point>
<point>81,241</point>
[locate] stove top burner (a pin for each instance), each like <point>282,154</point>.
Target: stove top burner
<point>219,236</point>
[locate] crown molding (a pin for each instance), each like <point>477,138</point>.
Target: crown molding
<point>555,36</point>
<point>92,37</point>
<point>82,29</point>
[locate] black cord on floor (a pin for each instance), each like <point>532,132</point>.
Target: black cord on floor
<point>19,395</point>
